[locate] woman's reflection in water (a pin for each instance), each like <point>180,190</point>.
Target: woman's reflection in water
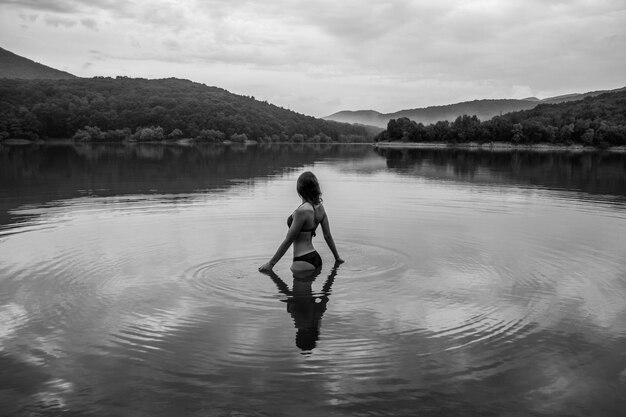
<point>305,306</point>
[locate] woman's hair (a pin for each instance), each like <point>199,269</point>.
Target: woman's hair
<point>308,188</point>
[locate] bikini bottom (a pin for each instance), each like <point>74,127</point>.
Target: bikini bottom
<point>312,257</point>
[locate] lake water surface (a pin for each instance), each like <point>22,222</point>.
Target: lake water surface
<point>475,283</point>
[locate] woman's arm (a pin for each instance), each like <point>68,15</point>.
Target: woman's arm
<point>298,220</point>
<point>328,237</point>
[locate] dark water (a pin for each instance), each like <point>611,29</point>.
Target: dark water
<point>475,284</point>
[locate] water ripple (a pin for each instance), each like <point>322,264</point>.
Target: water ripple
<point>234,282</point>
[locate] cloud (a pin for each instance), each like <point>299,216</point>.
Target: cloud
<point>117,7</point>
<point>171,44</point>
<point>134,42</point>
<point>59,6</point>
<point>166,14</point>
<point>157,12</point>
<point>29,17</point>
<point>352,22</point>
<point>89,23</point>
<point>59,21</point>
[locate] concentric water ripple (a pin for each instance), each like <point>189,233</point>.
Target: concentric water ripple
<point>237,280</point>
<point>371,262</point>
<point>234,282</point>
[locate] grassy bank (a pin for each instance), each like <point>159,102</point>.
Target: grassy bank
<point>498,146</point>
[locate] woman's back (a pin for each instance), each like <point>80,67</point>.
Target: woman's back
<point>313,216</point>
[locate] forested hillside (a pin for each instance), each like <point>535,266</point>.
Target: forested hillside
<point>595,121</point>
<point>15,66</point>
<point>130,108</point>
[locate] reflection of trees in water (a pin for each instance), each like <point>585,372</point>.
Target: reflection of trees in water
<point>35,174</point>
<point>591,172</point>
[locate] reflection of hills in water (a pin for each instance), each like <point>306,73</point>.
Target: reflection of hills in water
<point>590,172</point>
<point>34,175</point>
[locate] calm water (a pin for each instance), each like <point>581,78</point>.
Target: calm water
<point>475,283</point>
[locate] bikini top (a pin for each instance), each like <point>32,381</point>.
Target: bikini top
<point>312,230</point>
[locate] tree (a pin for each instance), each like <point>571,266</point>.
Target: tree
<point>566,133</point>
<point>393,130</point>
<point>118,135</point>
<point>587,137</point>
<point>149,134</point>
<point>89,133</point>
<point>465,128</point>
<point>210,135</point>
<point>175,134</point>
<point>297,138</point>
<point>517,133</point>
<point>239,137</point>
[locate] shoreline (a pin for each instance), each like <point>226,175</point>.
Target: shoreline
<point>497,146</point>
<point>472,146</point>
<point>178,142</point>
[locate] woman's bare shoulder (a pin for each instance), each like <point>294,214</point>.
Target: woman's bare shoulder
<point>304,209</point>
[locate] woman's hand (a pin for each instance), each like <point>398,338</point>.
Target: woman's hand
<point>266,268</point>
<point>339,261</point>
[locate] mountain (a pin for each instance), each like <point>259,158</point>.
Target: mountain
<point>598,120</point>
<point>366,117</point>
<point>15,66</point>
<point>483,109</point>
<point>104,108</point>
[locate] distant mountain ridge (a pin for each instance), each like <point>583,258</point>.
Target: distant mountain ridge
<point>483,109</point>
<point>18,67</point>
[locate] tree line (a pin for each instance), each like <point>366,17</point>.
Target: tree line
<point>594,121</point>
<point>122,108</point>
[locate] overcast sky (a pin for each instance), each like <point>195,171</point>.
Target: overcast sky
<point>319,57</point>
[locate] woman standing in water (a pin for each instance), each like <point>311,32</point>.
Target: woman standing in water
<point>302,225</point>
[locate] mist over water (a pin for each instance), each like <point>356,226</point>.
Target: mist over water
<point>475,283</point>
